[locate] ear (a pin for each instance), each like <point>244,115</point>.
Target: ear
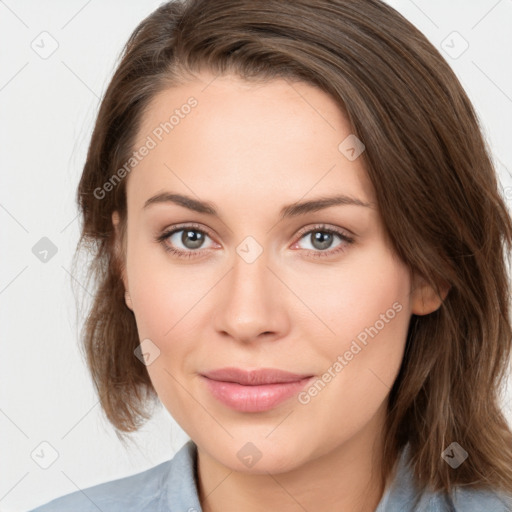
<point>120,256</point>
<point>424,299</point>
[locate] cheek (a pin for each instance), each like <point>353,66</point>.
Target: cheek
<point>165,298</point>
<point>162,292</point>
<point>353,296</point>
<point>367,311</point>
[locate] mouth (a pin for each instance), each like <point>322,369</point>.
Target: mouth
<point>254,390</point>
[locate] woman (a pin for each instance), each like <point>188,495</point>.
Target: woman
<point>300,251</point>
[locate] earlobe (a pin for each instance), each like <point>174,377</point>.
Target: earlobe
<point>128,300</point>
<point>424,299</point>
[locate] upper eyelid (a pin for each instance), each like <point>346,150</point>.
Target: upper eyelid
<point>326,227</point>
<point>191,226</point>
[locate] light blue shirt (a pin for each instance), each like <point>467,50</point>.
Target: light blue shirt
<point>171,487</point>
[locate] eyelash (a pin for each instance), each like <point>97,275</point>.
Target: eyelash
<point>162,238</point>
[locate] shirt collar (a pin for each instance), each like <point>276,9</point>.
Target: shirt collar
<point>183,488</point>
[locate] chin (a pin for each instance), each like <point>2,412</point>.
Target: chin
<point>260,455</point>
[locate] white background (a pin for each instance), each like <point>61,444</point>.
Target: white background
<point>48,108</point>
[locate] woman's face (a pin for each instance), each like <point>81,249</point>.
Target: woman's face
<point>257,282</point>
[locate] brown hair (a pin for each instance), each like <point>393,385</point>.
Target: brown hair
<point>436,189</point>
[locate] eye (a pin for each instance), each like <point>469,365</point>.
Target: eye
<point>190,237</point>
<point>321,239</point>
<point>192,240</point>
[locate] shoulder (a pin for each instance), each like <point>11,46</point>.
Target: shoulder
<point>404,495</point>
<point>171,482</point>
<point>476,500</point>
<point>459,500</point>
<point>132,492</point>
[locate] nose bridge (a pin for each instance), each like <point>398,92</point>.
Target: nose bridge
<point>251,303</point>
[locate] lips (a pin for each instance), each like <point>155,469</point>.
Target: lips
<point>254,377</point>
<point>253,390</point>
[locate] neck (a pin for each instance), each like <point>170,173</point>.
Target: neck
<point>347,477</point>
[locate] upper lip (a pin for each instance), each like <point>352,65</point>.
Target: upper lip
<point>254,377</point>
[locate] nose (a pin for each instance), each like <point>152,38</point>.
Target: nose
<point>251,302</point>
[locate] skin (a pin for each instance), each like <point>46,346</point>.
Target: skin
<point>250,149</point>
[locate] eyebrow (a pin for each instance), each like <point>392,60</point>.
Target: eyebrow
<point>291,210</point>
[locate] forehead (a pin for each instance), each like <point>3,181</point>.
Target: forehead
<point>217,135</point>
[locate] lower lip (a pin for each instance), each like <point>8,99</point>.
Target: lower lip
<point>254,398</point>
